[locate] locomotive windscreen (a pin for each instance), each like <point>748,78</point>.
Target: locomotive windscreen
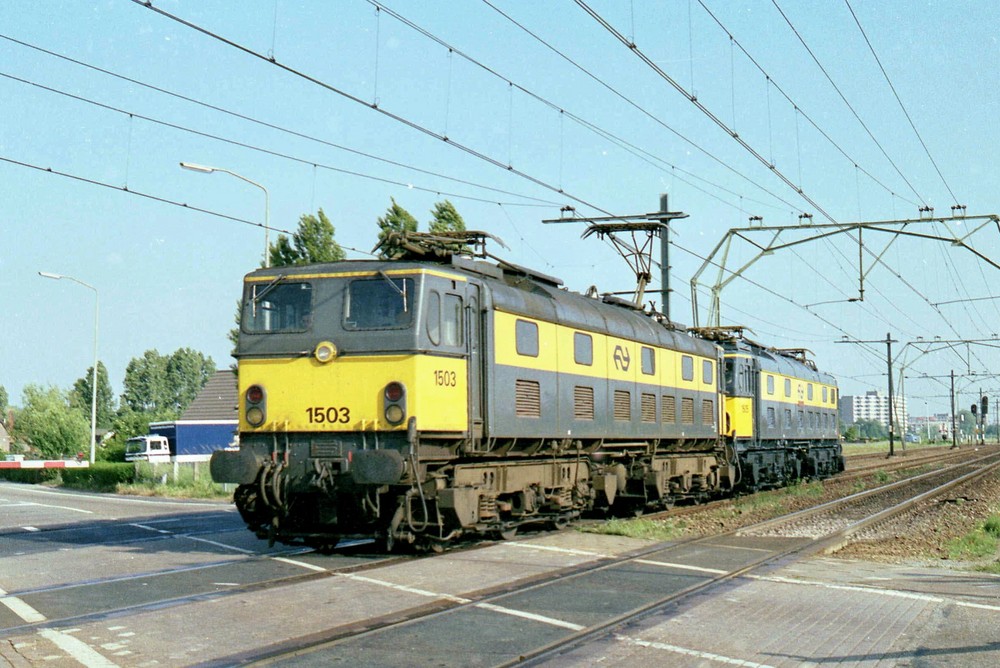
<point>278,307</point>
<point>379,303</point>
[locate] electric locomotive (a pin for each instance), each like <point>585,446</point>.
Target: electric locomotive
<point>781,420</point>
<point>420,398</point>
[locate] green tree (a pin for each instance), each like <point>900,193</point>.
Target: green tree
<point>187,372</point>
<point>48,425</point>
<point>446,218</point>
<point>396,219</point>
<point>81,398</point>
<point>145,384</point>
<point>162,386</point>
<point>312,242</point>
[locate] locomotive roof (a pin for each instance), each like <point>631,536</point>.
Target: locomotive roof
<point>786,362</point>
<point>525,292</point>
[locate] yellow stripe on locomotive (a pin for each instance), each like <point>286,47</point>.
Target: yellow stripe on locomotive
<point>351,393</point>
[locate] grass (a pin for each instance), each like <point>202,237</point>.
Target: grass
<point>639,528</point>
<point>980,543</point>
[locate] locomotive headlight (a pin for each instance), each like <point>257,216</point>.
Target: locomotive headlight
<point>256,405</point>
<point>395,403</point>
<point>325,352</point>
<point>255,416</point>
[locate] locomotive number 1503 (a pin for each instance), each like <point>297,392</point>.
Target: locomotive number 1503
<point>445,378</point>
<point>328,414</point>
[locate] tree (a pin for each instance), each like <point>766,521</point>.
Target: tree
<point>163,386</point>
<point>3,404</point>
<point>81,397</point>
<point>49,425</point>
<point>396,219</point>
<point>145,383</point>
<point>187,372</point>
<point>446,218</point>
<point>312,242</point>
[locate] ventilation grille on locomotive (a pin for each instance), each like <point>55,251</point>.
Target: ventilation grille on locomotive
<point>707,412</point>
<point>687,410</point>
<point>648,407</point>
<point>668,410</point>
<point>623,405</point>
<point>583,403</point>
<point>527,399</point>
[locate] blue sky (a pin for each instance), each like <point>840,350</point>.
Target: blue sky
<point>169,276</point>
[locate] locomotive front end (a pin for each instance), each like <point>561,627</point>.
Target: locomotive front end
<point>330,359</point>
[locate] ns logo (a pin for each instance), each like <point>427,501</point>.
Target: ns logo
<point>622,358</point>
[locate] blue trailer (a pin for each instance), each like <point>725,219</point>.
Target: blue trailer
<point>195,440</point>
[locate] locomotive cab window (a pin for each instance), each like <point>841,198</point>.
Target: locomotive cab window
<point>687,367</point>
<point>278,307</point>
<point>648,361</point>
<point>526,338</point>
<point>379,303</point>
<point>583,348</point>
<point>708,372</point>
<point>451,321</point>
<point>770,384</point>
<point>433,311</point>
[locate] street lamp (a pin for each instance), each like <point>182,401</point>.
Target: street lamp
<point>204,169</point>
<point>93,382</point>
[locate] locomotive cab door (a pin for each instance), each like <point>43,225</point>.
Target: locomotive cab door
<point>476,374</point>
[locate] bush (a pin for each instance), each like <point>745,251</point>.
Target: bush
<point>30,476</point>
<point>99,476</point>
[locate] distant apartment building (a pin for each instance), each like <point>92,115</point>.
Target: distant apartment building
<point>873,405</point>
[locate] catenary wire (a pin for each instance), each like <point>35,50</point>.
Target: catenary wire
<point>271,126</point>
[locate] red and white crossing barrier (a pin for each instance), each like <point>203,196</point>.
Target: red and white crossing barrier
<point>45,464</point>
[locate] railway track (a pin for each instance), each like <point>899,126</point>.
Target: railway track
<point>615,590</point>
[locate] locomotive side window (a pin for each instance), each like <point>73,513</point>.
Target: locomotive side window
<point>687,367</point>
<point>708,372</point>
<point>278,307</point>
<point>451,320</point>
<point>648,361</point>
<point>770,384</point>
<point>379,303</point>
<point>824,395</point>
<point>526,338</point>
<point>788,388</point>
<point>583,348</point>
<point>434,317</point>
<point>809,391</point>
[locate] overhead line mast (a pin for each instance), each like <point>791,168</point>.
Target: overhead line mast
<point>639,256</point>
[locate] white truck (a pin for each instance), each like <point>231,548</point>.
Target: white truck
<point>148,448</point>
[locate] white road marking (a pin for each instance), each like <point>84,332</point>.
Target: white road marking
<point>47,505</point>
<point>878,591</point>
<point>220,506</point>
<point>79,650</point>
<point>667,564</point>
<point>404,588</point>
<point>22,609</point>
<point>148,528</point>
<point>31,528</point>
<point>302,564</point>
<point>563,550</point>
<point>690,652</point>
<point>530,615</point>
<point>217,544</point>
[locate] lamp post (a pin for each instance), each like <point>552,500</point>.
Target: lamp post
<point>93,382</point>
<point>204,169</point>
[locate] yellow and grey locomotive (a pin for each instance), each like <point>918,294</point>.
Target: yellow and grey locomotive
<point>421,399</point>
